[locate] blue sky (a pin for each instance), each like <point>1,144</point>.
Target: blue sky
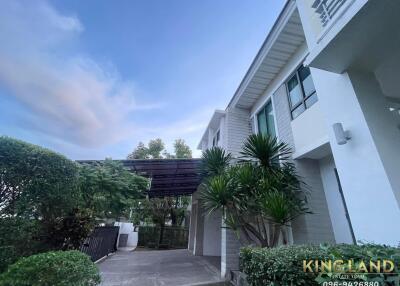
<point>90,79</point>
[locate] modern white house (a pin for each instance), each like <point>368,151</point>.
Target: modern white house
<point>325,81</point>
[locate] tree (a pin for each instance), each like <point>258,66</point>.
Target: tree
<point>156,150</point>
<point>107,188</point>
<point>152,151</point>
<point>35,181</point>
<point>161,210</point>
<point>181,149</point>
<point>38,189</point>
<point>50,202</point>
<point>141,152</point>
<point>259,195</point>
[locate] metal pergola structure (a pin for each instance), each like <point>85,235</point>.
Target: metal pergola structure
<point>169,177</point>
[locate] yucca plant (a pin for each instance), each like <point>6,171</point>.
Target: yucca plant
<point>215,161</point>
<point>260,195</point>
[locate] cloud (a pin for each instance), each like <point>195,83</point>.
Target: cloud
<point>68,96</point>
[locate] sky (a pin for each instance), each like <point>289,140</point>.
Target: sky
<point>90,79</point>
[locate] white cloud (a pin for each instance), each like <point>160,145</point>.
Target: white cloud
<point>68,97</point>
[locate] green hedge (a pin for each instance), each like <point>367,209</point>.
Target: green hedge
<point>58,268</point>
<point>175,237</point>
<point>284,265</point>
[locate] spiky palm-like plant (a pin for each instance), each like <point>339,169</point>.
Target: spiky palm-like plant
<point>215,161</point>
<point>260,195</point>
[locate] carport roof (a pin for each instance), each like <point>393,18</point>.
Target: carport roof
<point>169,177</point>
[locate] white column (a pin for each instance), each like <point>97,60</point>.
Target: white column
<point>199,230</point>
<point>368,162</point>
<point>230,248</point>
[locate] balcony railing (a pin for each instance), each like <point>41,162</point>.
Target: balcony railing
<point>326,9</point>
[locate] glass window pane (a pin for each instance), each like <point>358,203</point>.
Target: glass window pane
<point>294,91</point>
<point>270,120</point>
<point>311,100</point>
<point>262,123</point>
<point>308,86</point>
<point>306,80</point>
<point>299,110</point>
<point>304,72</point>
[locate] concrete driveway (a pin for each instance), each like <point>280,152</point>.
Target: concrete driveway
<point>159,268</point>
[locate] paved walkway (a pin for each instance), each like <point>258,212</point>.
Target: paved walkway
<point>159,268</point>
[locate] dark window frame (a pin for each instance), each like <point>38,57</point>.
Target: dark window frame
<point>263,109</point>
<point>216,138</point>
<point>304,97</point>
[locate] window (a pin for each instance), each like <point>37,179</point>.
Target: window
<point>265,120</point>
<point>301,91</point>
<point>216,139</point>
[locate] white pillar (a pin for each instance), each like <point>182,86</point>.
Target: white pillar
<point>230,248</point>
<point>368,162</point>
<point>199,230</point>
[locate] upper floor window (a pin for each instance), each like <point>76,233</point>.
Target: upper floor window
<point>301,91</point>
<point>265,120</point>
<point>216,139</point>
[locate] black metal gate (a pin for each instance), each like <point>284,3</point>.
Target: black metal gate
<point>101,242</point>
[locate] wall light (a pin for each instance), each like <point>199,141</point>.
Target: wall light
<point>341,135</point>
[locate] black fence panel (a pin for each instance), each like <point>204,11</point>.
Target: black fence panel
<point>101,242</point>
<point>173,237</point>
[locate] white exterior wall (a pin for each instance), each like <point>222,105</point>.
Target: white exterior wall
<point>337,212</point>
<point>319,37</point>
<point>212,234</point>
<point>238,129</point>
<point>367,189</point>
<point>309,130</point>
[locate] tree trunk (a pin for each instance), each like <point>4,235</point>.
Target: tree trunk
<point>161,233</point>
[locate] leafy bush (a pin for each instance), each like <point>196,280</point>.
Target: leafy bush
<point>284,265</point>
<point>279,266</point>
<point>17,238</point>
<point>60,268</point>
<point>35,181</point>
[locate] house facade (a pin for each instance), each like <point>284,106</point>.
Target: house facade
<point>325,81</point>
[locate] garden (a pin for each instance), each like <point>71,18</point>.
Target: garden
<point>49,205</point>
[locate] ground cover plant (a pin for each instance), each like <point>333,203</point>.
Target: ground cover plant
<point>284,265</point>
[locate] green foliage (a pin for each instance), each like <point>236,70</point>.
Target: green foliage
<point>174,236</point>
<point>48,202</point>
<point>215,161</point>
<point>38,192</point>
<point>218,193</point>
<point>260,195</point>
<point>152,151</point>
<point>284,265</point>
<point>156,150</point>
<point>266,150</point>
<point>159,211</point>
<point>365,252</point>
<point>61,268</point>
<point>107,188</point>
<point>34,181</point>
<point>18,237</point>
<point>182,150</point>
<point>281,266</point>
<point>140,152</point>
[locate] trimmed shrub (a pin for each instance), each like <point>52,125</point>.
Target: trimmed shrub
<point>284,265</point>
<point>279,266</point>
<point>58,268</point>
